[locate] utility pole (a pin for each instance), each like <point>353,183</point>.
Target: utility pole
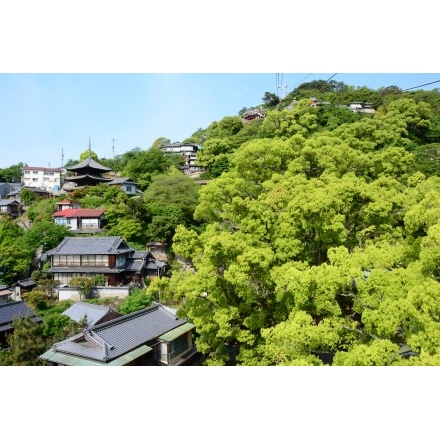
<point>62,157</point>
<point>113,148</point>
<point>281,86</point>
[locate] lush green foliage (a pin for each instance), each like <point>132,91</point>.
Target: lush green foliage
<point>315,241</point>
<point>11,174</point>
<point>137,300</point>
<point>321,245</point>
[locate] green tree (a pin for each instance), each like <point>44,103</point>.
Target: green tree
<point>146,164</point>
<point>84,284</point>
<point>88,153</point>
<point>27,196</point>
<point>270,99</point>
<point>12,174</point>
<point>174,189</point>
<point>41,210</point>
<point>26,343</point>
<point>46,234</point>
<point>137,300</point>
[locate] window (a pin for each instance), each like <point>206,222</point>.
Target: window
<point>89,223</point>
<point>179,345</point>
<point>66,260</point>
<point>94,260</point>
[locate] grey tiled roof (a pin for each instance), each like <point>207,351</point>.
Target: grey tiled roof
<point>140,254</point>
<point>27,283</point>
<point>155,264</point>
<point>90,245</point>
<point>87,176</point>
<point>134,265</point>
<point>88,163</point>
<point>6,202</point>
<point>10,311</point>
<point>112,339</point>
<point>120,180</point>
<point>94,312</point>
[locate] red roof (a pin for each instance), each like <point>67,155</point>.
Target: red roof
<point>80,212</point>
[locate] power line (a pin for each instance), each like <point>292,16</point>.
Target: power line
<point>427,84</point>
<point>331,77</point>
<point>300,82</point>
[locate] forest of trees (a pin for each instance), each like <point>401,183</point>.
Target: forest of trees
<point>315,241</point>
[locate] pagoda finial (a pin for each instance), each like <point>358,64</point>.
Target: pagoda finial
<point>90,148</point>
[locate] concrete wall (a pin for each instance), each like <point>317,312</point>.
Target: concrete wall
<point>71,293</point>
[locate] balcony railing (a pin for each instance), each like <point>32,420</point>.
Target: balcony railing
<point>78,264</point>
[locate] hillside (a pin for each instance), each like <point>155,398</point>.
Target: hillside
<point>314,241</point>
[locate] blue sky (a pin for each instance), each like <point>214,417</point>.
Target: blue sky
<point>44,116</point>
<point>130,72</point>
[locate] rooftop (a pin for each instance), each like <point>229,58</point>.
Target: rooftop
<point>110,340</point>
<point>90,245</point>
<point>80,309</point>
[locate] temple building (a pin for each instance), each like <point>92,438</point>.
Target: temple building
<point>88,173</point>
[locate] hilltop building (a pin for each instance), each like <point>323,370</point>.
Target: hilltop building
<point>188,152</point>
<point>87,173</point>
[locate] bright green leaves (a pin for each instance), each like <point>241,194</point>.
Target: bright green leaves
<point>257,160</point>
<point>380,352</point>
<point>299,340</point>
<point>320,247</point>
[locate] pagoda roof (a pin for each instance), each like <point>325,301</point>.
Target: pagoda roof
<point>87,178</point>
<point>88,163</point>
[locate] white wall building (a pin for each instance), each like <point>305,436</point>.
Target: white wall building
<point>48,179</point>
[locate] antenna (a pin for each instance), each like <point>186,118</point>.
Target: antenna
<point>113,148</point>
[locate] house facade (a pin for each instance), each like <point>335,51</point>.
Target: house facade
<point>5,294</point>
<point>251,115</point>
<point>66,204</point>
<point>10,207</point>
<point>126,184</point>
<point>361,107</point>
<point>48,179</point>
<point>37,193</point>
<point>80,220</point>
<point>148,337</point>
<point>6,189</point>
<point>23,286</point>
<point>109,256</point>
<point>189,153</point>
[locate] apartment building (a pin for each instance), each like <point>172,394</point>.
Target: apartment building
<point>48,179</point>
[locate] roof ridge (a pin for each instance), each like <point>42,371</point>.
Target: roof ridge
<point>123,318</point>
